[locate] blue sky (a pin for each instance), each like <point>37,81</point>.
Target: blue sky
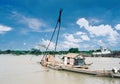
<point>86,24</point>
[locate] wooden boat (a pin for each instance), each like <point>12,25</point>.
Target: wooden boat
<point>69,64</point>
<point>76,63</point>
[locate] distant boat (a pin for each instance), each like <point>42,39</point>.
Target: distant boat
<point>103,52</point>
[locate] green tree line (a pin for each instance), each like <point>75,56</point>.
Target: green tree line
<point>38,52</point>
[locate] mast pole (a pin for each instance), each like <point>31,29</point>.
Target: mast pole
<point>59,24</point>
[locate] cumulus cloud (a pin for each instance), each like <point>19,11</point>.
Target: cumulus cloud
<point>90,37</point>
<point>100,30</point>
<point>69,42</point>
<point>80,33</point>
<point>4,29</point>
<point>46,42</point>
<point>105,31</point>
<point>117,27</point>
<point>71,38</point>
<point>83,36</point>
<point>82,22</point>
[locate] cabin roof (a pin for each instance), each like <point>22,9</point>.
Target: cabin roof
<point>71,55</point>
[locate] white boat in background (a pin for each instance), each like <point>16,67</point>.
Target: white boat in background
<point>103,52</point>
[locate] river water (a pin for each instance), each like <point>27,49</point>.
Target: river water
<point>26,69</point>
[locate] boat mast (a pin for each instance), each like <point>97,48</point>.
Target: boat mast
<point>58,24</point>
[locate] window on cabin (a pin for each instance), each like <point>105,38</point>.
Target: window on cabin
<point>79,62</point>
<point>68,60</point>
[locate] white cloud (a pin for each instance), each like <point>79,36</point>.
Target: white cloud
<point>61,46</point>
<point>101,30</point>
<point>102,35</point>
<point>4,29</point>
<point>117,27</point>
<point>82,22</point>
<point>71,38</point>
<point>33,23</point>
<point>69,42</point>
<point>85,38</point>
<point>46,42</point>
<point>74,40</point>
<point>79,33</point>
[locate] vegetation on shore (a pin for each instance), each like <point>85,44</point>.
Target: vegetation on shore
<point>39,52</point>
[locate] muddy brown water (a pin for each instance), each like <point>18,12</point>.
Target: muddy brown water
<point>24,70</point>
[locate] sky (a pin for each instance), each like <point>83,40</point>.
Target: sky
<point>85,24</point>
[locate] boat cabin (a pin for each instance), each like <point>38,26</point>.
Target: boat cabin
<point>73,59</point>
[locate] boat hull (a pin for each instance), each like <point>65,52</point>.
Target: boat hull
<point>102,73</point>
